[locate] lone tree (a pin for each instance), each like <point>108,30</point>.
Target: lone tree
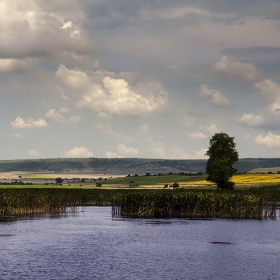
<point>59,180</point>
<point>222,155</point>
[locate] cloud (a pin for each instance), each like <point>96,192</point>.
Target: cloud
<point>212,128</point>
<point>57,115</point>
<point>255,53</point>
<point>114,96</point>
<point>251,119</point>
<point>274,108</point>
<point>160,149</point>
<point>144,129</point>
<point>215,97</point>
<point>28,123</point>
<point>18,136</point>
<point>110,154</point>
<point>79,152</point>
<point>128,151</point>
<point>267,87</point>
<point>33,153</point>
<point>200,154</point>
<point>63,95</point>
<point>75,78</point>
<point>179,153</point>
<point>188,120</point>
<point>269,140</point>
<point>197,135</point>
<point>106,128</point>
<point>8,65</point>
<point>33,28</point>
<point>237,70</point>
<point>123,151</point>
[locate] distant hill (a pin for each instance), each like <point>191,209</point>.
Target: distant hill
<point>126,165</point>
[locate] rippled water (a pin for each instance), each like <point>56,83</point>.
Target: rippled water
<point>93,245</point>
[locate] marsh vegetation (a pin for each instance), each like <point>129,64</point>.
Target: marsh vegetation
<point>249,203</point>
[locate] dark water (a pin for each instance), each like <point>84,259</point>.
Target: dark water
<point>93,245</point>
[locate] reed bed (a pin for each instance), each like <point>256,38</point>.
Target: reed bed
<point>33,201</point>
<point>250,204</point>
<point>254,203</point>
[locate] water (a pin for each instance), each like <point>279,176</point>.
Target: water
<point>93,245</point>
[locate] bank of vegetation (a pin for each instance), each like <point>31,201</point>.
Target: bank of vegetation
<point>250,203</point>
<point>19,201</point>
<point>253,203</point>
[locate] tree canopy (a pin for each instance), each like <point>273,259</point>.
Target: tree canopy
<point>222,155</point>
<point>59,180</point>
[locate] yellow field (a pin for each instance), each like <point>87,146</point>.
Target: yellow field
<point>242,179</point>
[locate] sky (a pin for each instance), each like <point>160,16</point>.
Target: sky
<point>145,79</point>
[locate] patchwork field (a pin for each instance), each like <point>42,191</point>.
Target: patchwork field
<point>244,179</point>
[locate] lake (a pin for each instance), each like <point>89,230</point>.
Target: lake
<point>94,245</point>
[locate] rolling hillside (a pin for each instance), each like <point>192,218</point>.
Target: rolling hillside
<point>126,165</point>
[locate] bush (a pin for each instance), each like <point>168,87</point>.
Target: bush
<point>133,184</point>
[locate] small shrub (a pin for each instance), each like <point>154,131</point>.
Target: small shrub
<point>133,184</point>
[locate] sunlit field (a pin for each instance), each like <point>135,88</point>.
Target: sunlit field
<point>242,179</point>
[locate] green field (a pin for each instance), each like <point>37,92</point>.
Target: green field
<point>151,180</point>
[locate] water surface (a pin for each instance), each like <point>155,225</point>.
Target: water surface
<point>94,245</point>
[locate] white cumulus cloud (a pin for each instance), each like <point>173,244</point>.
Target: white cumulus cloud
<point>110,154</point>
<point>215,97</point>
<point>197,135</point>
<point>212,128</point>
<point>114,96</point>
<point>33,153</point>
<point>269,140</point>
<point>57,115</point>
<point>144,129</point>
<point>106,128</point>
<point>251,119</point>
<point>268,87</point>
<point>28,123</point>
<point>18,136</point>
<point>32,28</point>
<point>79,152</point>
<point>237,70</point>
<point>128,151</point>
<point>9,65</point>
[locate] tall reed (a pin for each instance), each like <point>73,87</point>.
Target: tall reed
<point>30,201</point>
<point>198,203</point>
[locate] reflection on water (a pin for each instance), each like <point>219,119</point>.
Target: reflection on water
<point>93,245</point>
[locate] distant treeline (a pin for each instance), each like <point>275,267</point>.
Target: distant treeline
<point>169,173</point>
<point>16,183</point>
<point>127,165</point>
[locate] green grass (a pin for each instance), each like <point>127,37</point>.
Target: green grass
<point>149,180</point>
